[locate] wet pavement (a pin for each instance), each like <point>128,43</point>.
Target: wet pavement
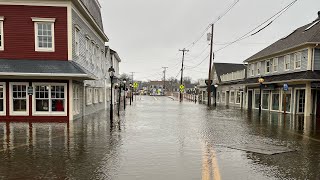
<point>158,138</point>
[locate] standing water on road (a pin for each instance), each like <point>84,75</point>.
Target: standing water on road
<point>158,138</point>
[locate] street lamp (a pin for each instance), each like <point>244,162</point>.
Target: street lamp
<point>261,81</point>
<point>215,94</point>
<point>125,89</point>
<point>111,74</point>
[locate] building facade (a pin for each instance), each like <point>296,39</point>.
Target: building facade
<point>292,62</point>
<point>53,64</point>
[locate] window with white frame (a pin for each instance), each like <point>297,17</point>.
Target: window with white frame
<point>76,99</point>
<point>89,96</point>
<point>258,68</point>
<point>231,97</point>
<point>19,99</point>
<point>2,98</point>
<point>77,41</point>
<point>218,97</point>
<point>102,61</point>
<point>95,97</point>
<point>101,95</point>
<point>287,62</point>
<point>92,52</point>
<point>268,65</point>
<point>252,69</point>
<point>297,60</point>
<point>275,64</point>
<point>87,49</point>
<point>44,34</point>
<point>223,97</point>
<point>1,33</point>
<point>50,99</point>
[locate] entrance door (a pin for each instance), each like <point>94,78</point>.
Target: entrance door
<point>250,99</point>
<point>227,97</point>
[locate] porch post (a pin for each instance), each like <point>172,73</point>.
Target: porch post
<point>308,100</point>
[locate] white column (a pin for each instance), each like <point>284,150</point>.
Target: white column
<point>308,100</point>
<point>70,100</point>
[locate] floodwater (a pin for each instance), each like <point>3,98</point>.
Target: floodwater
<point>158,138</point>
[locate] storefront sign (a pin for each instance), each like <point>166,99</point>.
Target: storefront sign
<point>285,87</point>
<point>268,86</point>
<point>30,90</point>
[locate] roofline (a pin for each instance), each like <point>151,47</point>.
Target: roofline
<point>100,31</point>
<point>45,74</point>
<point>280,52</point>
<point>284,81</point>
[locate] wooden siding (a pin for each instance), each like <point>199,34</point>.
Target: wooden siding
<point>19,35</point>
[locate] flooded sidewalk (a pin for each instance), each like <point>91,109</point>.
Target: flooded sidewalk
<point>158,138</point>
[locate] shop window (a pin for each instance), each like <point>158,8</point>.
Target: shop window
<point>101,95</point>
<point>223,97</point>
<point>49,99</point>
<point>232,97</point>
<point>238,98</point>
<point>95,96</point>
<point>19,99</point>
<point>76,99</point>
<point>265,100</point>
<point>275,100</point>
<point>301,100</point>
<point>89,96</point>
<point>256,99</point>
<point>42,98</point>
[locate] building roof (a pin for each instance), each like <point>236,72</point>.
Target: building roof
<point>307,34</point>
<point>43,68</point>
<point>224,68</point>
<point>113,52</point>
<point>94,8</point>
<point>297,76</point>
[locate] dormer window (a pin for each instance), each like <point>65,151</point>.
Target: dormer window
<point>268,66</point>
<point>275,64</point>
<point>44,34</point>
<point>1,33</point>
<point>258,68</point>
<point>287,62</point>
<point>252,69</point>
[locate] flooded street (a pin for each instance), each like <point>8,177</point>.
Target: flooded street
<point>158,138</point>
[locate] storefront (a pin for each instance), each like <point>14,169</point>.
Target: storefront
<point>39,91</point>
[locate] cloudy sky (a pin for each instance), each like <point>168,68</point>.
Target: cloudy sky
<point>147,34</point>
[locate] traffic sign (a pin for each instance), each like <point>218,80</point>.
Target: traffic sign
<point>207,82</point>
<point>135,85</point>
<point>181,88</point>
<point>285,87</point>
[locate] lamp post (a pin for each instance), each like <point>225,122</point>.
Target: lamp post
<point>124,97</point>
<point>118,86</point>
<point>111,74</point>
<point>130,86</point>
<point>260,80</point>
<point>215,95</point>
<point>195,94</point>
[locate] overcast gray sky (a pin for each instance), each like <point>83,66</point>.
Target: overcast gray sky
<point>147,34</point>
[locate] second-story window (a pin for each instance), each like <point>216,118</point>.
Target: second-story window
<point>92,52</point>
<point>44,34</point>
<point>258,68</point>
<point>275,64</point>
<point>268,66</point>
<point>252,69</point>
<point>1,33</point>
<point>87,49</point>
<point>297,60</point>
<point>287,62</point>
<point>77,41</point>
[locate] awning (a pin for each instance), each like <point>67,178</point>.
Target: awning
<point>41,69</point>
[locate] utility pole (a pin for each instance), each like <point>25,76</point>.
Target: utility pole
<point>181,80</point>
<point>164,79</point>
<point>210,64</point>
